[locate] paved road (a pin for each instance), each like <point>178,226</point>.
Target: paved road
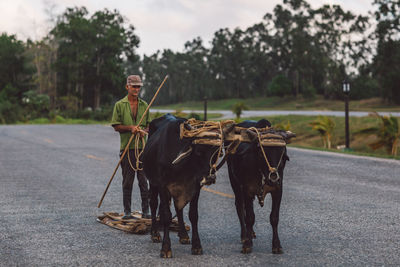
<point>227,114</point>
<point>336,210</point>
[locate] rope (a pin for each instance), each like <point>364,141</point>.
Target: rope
<point>138,152</point>
<point>202,126</point>
<point>214,130</point>
<point>271,169</point>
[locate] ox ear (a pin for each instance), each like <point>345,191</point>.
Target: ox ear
<point>182,155</point>
<point>287,136</point>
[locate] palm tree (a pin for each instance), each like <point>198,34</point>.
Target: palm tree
<point>283,126</point>
<point>238,108</point>
<point>388,133</point>
<point>324,125</point>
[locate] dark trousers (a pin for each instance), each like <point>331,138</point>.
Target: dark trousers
<point>128,176</point>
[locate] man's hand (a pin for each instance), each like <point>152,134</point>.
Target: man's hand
<point>136,129</point>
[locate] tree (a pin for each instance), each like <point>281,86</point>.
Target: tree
<point>388,133</point>
<point>324,126</point>
<point>238,109</point>
<point>387,59</point>
<point>91,54</point>
<point>14,78</point>
<point>12,61</point>
<point>279,86</point>
<point>44,56</point>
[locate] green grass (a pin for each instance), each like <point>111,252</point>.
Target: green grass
<point>287,103</point>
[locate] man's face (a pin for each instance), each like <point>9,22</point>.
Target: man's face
<point>133,90</point>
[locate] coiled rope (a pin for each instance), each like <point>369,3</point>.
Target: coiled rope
<point>138,152</point>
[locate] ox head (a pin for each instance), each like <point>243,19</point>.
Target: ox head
<point>270,146</point>
<point>204,150</point>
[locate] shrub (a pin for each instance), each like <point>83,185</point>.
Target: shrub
<point>238,109</point>
<point>36,105</point>
<point>324,126</point>
<point>279,86</point>
<point>194,115</point>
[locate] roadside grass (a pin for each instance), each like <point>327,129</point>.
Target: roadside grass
<point>287,103</point>
<point>308,138</point>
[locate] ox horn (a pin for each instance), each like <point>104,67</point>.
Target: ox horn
<point>182,155</point>
<point>252,135</point>
<point>228,128</point>
<point>287,135</point>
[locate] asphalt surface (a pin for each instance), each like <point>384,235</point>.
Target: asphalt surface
<point>336,209</point>
<point>227,114</point>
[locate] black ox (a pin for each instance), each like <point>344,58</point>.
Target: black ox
<point>176,168</point>
<point>250,176</point>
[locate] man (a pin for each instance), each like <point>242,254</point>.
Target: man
<point>126,115</point>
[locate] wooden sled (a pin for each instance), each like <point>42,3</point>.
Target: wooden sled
<point>137,225</point>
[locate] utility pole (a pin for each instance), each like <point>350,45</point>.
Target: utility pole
<point>346,91</point>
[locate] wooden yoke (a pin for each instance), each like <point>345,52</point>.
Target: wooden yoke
<point>208,133</point>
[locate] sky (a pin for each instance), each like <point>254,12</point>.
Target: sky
<point>160,24</point>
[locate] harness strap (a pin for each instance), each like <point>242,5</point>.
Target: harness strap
<point>271,169</point>
<point>213,167</point>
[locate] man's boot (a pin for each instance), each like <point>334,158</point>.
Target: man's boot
<point>127,215</point>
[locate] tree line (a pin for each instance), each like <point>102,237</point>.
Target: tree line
<point>296,50</point>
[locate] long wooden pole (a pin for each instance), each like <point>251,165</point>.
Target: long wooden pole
<point>129,142</point>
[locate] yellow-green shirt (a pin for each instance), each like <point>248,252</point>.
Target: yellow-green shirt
<point>122,114</point>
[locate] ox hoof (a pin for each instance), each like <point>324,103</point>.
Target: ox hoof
<point>155,237</point>
<point>277,251</point>
<point>197,251</point>
<point>246,250</point>
<point>184,240</point>
<point>166,254</point>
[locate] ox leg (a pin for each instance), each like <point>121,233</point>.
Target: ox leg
<point>165,216</point>
<point>182,233</point>
<point>239,203</point>
<point>249,220</point>
<point>194,217</point>
<point>155,234</point>
<point>274,220</point>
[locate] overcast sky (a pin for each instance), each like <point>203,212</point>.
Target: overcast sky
<point>159,23</point>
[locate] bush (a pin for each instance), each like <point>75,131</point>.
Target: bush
<point>308,91</point>
<point>364,87</point>
<point>10,110</point>
<point>279,86</point>
<point>36,105</point>
<point>9,113</point>
<point>238,109</point>
<point>59,119</point>
<point>194,115</point>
